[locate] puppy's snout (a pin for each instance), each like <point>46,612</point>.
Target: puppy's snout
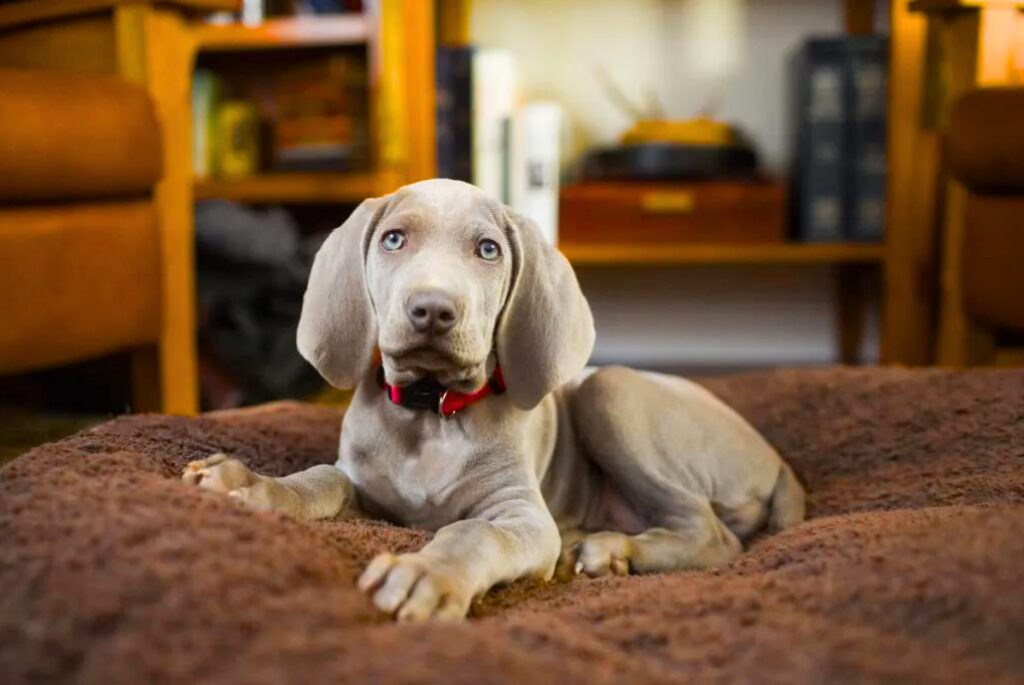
<point>432,312</point>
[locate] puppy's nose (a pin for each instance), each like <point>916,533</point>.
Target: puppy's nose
<point>431,311</point>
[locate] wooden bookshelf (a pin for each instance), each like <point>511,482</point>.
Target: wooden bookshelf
<point>676,255</point>
<point>297,32</point>
<point>290,188</point>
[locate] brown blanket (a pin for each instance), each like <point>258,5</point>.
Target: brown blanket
<point>911,568</point>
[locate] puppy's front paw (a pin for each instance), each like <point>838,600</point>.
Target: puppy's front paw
<point>219,473</point>
<point>414,588</point>
<point>598,554</point>
<point>231,477</point>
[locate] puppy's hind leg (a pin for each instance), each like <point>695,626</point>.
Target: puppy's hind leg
<point>788,501</point>
<point>696,474</point>
<point>688,541</point>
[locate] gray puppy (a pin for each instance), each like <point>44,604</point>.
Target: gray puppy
<point>599,472</point>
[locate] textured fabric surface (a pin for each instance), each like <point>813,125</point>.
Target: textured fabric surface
<point>993,248</point>
<point>910,568</point>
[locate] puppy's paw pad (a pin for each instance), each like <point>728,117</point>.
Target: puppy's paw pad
<point>219,473</point>
<point>412,588</point>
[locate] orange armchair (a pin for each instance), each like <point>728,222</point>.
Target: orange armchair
<point>983,277</point>
<point>81,269</point>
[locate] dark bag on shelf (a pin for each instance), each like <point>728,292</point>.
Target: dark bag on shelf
<point>252,272</point>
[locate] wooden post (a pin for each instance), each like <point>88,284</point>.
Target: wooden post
<point>155,48</point>
<point>420,82</point>
<point>403,76</point>
<point>851,310</point>
<point>907,308</point>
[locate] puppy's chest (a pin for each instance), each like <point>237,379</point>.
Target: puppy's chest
<point>423,487</point>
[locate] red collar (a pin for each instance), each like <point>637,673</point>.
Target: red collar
<point>428,393</point>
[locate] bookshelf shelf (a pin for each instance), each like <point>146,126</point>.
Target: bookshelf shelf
<point>290,187</point>
<point>342,29</point>
<point>674,255</point>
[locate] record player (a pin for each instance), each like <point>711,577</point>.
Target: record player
<point>666,150</point>
<point>673,182</point>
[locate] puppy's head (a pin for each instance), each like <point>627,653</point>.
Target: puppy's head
<point>445,282</point>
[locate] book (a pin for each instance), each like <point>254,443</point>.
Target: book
<point>866,174</point>
<point>536,164</point>
<point>317,114</point>
<point>495,85</point>
<point>314,7</point>
<point>840,162</point>
<point>821,111</point>
<point>205,93</point>
<point>454,70</point>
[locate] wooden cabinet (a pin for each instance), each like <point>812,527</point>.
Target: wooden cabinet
<point>681,213</point>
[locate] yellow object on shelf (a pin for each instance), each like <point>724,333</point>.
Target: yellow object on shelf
<point>237,147</point>
<point>699,131</point>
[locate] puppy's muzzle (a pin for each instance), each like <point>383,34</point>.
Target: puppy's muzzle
<point>432,312</point>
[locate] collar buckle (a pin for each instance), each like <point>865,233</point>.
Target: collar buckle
<point>425,393</point>
<point>440,405</point>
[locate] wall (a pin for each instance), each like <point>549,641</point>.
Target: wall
<point>724,56</point>
<point>716,316</point>
<point>728,57</point>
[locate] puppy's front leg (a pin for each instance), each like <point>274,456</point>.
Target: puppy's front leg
<point>509,535</point>
<point>319,492</point>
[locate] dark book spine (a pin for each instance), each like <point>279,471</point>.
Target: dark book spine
<point>454,113</point>
<point>445,107</point>
<point>866,175</point>
<point>821,143</point>
<point>326,6</point>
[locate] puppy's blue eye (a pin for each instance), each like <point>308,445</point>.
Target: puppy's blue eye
<point>393,240</point>
<point>489,250</point>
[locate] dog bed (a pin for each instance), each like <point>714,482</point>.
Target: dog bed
<point>909,569</point>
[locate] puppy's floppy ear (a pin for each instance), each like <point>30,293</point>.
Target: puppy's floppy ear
<point>337,329</point>
<point>546,332</point>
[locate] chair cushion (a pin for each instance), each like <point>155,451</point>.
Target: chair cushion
<point>69,136</point>
<point>993,255</point>
<point>986,140</point>
<point>76,281</point>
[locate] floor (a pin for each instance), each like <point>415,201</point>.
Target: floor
<point>20,431</point>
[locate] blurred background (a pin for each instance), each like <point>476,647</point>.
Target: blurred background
<point>738,183</point>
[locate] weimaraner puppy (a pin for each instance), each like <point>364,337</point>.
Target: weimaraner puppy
<point>465,336</point>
